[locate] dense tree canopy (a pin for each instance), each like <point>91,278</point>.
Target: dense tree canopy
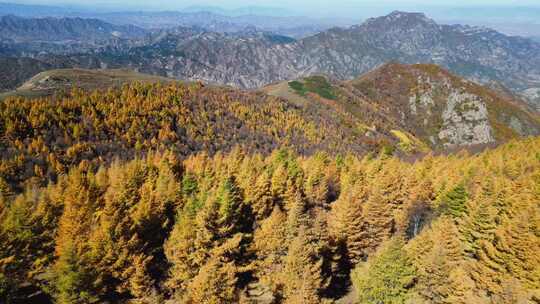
<point>241,227</point>
<point>44,138</point>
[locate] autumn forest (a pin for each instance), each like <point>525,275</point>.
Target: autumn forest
<point>182,193</point>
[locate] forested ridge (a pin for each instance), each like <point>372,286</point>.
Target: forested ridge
<point>44,137</point>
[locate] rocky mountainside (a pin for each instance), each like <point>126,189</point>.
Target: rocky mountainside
<point>479,54</point>
<point>222,58</point>
<point>420,106</point>
<point>445,110</point>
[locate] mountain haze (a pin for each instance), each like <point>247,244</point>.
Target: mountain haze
<point>33,37</point>
<point>19,29</point>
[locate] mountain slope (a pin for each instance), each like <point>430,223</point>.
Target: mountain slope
<point>412,108</point>
<point>446,109</point>
<point>63,80</point>
<point>457,229</point>
<point>421,105</point>
<point>16,71</point>
<point>117,187</point>
<point>398,108</point>
<point>185,118</point>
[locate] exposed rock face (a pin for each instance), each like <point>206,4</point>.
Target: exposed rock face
<point>424,96</point>
<point>532,95</point>
<point>444,110</point>
<point>465,121</point>
<point>518,126</point>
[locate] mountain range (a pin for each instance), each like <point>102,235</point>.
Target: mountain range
<point>19,29</point>
<point>279,21</point>
<point>479,54</point>
<point>296,26</point>
<point>50,35</point>
<point>253,58</point>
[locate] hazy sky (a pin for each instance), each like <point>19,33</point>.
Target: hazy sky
<point>293,4</point>
<point>344,8</point>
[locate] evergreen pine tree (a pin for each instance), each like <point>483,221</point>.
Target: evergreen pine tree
<point>454,203</point>
<point>387,277</point>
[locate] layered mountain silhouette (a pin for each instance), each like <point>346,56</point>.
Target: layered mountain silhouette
<point>251,59</point>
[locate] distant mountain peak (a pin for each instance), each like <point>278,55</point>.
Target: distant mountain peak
<point>403,14</point>
<point>401,18</point>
